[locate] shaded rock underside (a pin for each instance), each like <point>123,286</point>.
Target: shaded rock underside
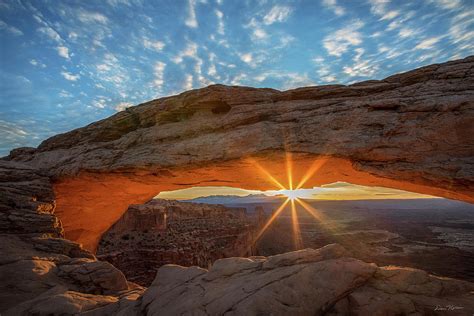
<point>411,131</point>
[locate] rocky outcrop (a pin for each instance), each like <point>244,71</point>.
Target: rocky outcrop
<point>45,275</point>
<point>305,282</point>
<point>26,201</point>
<point>35,259</point>
<point>161,232</point>
<point>410,131</point>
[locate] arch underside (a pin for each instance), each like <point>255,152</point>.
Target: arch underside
<point>90,203</point>
<point>411,131</point>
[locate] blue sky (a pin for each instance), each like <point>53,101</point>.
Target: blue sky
<point>65,64</point>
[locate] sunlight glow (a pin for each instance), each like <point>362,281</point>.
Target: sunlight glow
<point>270,221</point>
<point>297,240</point>
<point>292,196</point>
<point>317,164</point>
<point>267,174</point>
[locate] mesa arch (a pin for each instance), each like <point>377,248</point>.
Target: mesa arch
<point>411,131</point>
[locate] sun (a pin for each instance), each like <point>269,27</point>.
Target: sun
<point>291,194</point>
<point>294,194</point>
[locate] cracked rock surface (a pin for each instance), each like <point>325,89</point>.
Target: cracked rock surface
<point>412,129</point>
<point>35,260</point>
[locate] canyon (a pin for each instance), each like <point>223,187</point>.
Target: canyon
<point>163,232</point>
<point>411,131</point>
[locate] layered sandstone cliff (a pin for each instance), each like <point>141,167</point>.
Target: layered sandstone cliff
<point>35,259</point>
<point>411,131</point>
<point>162,232</point>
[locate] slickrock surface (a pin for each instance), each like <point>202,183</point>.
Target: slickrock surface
<point>411,131</point>
<point>44,275</point>
<point>305,282</point>
<point>161,232</point>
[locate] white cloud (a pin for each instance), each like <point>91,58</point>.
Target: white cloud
<point>461,31</point>
<point>428,43</point>
<point>332,5</point>
<point>220,22</point>
<point>406,32</point>
<point>361,69</point>
<point>376,34</point>
<point>154,45</point>
<point>390,15</point>
<point>379,7</point>
<point>116,3</point>
<point>401,21</point>
<point>318,59</point>
<point>237,80</point>
<point>122,106</point>
<point>73,36</point>
<point>285,40</point>
<point>448,4</point>
<point>13,30</point>
<point>100,103</point>
<point>49,32</point>
<point>191,20</point>
<point>277,14</point>
<point>382,49</point>
<point>91,17</point>
<point>159,71</point>
<point>259,33</point>
<point>328,78</point>
<point>246,58</point>
<point>188,82</point>
<point>339,42</point>
<point>190,51</point>
<point>69,76</point>
<point>36,63</point>
<point>65,94</point>
<point>63,51</point>
<point>212,71</point>
<point>288,80</point>
<point>103,67</point>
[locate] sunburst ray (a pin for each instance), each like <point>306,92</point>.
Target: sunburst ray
<point>272,218</point>
<point>297,240</point>
<point>317,164</point>
<point>267,174</point>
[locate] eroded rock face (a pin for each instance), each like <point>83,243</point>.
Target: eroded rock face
<point>162,232</point>
<point>305,282</point>
<point>35,260</point>
<point>411,131</point>
<point>26,201</point>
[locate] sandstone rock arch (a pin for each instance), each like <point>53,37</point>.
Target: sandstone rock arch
<point>411,131</point>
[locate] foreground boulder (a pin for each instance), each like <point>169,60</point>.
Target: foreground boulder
<point>411,131</point>
<point>35,259</point>
<point>305,282</point>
